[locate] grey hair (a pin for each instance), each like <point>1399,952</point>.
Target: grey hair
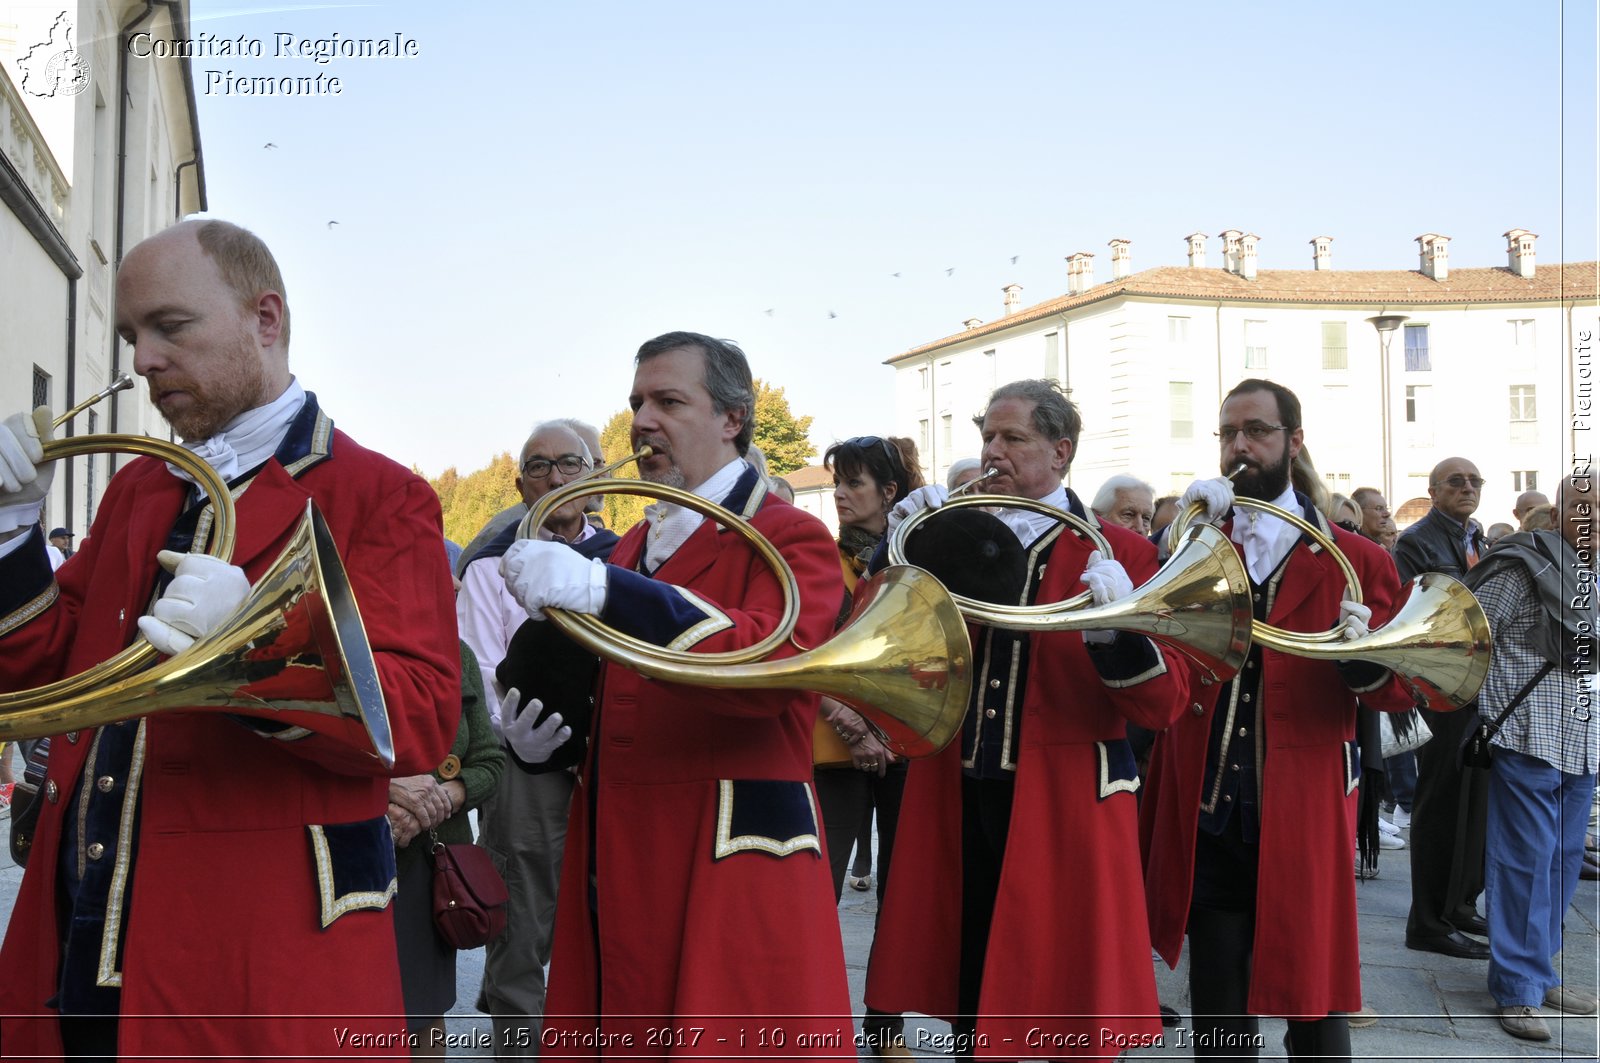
<point>563,424</point>
<point>1106,497</point>
<point>960,468</point>
<point>727,379</point>
<point>1054,415</point>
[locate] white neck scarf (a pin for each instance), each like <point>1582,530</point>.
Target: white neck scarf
<point>247,440</point>
<point>671,525</point>
<point>1028,525</point>
<point>1266,539</point>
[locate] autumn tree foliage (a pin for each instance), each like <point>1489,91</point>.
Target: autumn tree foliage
<point>469,501</point>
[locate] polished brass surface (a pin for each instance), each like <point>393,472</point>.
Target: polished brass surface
<point>295,652</point>
<point>120,382</point>
<point>1437,643</point>
<point>903,659</point>
<point>1198,603</point>
<point>972,485</point>
<point>140,653</point>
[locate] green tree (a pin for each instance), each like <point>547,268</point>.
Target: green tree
<point>784,438</point>
<point>469,501</point>
<point>621,511</point>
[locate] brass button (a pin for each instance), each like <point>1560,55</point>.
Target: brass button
<point>1256,596</point>
<point>1227,797</point>
<point>1244,697</point>
<point>1243,731</point>
<point>51,793</point>
<point>1233,767</point>
<point>72,736</point>
<point>96,851</point>
<point>994,684</point>
<point>104,784</point>
<point>1249,664</point>
<point>989,713</point>
<point>1199,710</point>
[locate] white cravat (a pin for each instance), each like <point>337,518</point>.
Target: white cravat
<point>247,440</point>
<point>671,524</point>
<point>1028,525</point>
<point>1266,539</point>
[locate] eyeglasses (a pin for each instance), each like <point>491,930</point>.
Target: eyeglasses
<point>539,468</point>
<point>1255,431</point>
<point>896,462</point>
<point>1458,482</point>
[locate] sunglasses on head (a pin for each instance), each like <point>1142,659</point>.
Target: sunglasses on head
<point>896,463</point>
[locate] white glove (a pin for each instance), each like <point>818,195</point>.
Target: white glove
<point>532,744</point>
<point>1107,580</point>
<point>203,595</point>
<point>540,573</point>
<point>1216,495</point>
<point>24,474</point>
<point>931,496</point>
<point>1356,619</point>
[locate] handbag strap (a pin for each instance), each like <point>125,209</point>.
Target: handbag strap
<point>1491,729</point>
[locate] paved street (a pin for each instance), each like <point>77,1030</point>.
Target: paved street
<point>1432,1007</point>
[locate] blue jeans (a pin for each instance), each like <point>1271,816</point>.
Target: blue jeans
<point>1402,772</point>
<point>1537,819</point>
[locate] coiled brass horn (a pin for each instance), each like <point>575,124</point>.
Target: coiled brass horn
<point>1198,603</point>
<point>902,659</point>
<point>295,652</point>
<point>1437,643</point>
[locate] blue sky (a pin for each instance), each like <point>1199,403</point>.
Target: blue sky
<point>547,185</point>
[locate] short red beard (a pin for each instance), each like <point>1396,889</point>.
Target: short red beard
<point>237,385</point>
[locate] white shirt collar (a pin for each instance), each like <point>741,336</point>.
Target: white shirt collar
<point>1266,538</point>
<point>250,438</point>
<point>671,524</point>
<point>1029,525</point>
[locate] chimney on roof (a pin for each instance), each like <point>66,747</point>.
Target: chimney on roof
<point>1519,250</point>
<point>1121,258</point>
<point>972,323</point>
<point>1435,251</point>
<point>1197,250</point>
<point>1247,256</point>
<point>1013,298</point>
<point>1322,252</point>
<point>1080,272</point>
<point>1230,249</point>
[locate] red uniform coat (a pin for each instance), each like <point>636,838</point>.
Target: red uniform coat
<point>687,917</point>
<point>224,915</point>
<point>1068,969</point>
<point>1307,960</point>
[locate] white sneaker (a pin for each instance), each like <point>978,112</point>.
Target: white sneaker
<point>1401,818</point>
<point>1391,841</point>
<point>1387,828</point>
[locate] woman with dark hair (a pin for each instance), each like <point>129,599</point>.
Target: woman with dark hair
<point>870,474</point>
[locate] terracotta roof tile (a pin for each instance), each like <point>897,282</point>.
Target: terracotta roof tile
<point>809,478</point>
<point>1394,289</point>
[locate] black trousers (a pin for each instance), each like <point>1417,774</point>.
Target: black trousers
<point>1435,821</point>
<point>985,825</point>
<point>1222,930</point>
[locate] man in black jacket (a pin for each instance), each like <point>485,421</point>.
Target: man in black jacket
<point>1444,883</point>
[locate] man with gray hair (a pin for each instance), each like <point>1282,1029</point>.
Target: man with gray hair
<point>524,824</point>
<point>1043,768</point>
<point>1126,501</point>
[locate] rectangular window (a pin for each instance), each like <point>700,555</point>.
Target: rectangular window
<point>1052,356</point>
<point>1335,345</point>
<point>1255,344</point>
<point>1417,360</point>
<point>1524,414</point>
<point>922,436</point>
<point>946,426</point>
<point>41,387</point>
<point>1525,480</point>
<point>1522,335</point>
<point>1416,401</point>
<point>1177,330</point>
<point>1180,397</point>
<point>922,378</point>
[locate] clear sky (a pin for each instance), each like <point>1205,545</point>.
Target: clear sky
<point>546,185</point>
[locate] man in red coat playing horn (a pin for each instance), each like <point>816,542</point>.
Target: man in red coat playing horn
<point>1248,822</point>
<point>203,884</point>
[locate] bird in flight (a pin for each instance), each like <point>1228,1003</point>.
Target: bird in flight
<point>269,145</point>
<point>769,311</point>
<point>831,315</point>
<point>1014,259</point>
<point>951,272</point>
<point>331,224</point>
<point>897,274</point>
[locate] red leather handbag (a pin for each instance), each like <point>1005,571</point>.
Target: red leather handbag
<point>469,896</point>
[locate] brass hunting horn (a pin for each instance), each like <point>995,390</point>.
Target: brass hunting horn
<point>1437,642</point>
<point>902,659</point>
<point>295,652</point>
<point>1198,603</point>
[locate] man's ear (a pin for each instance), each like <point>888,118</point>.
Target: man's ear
<point>733,423</point>
<point>269,315</point>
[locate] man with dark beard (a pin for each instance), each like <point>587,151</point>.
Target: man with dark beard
<point>201,884</point>
<point>695,899</point>
<point>1249,815</point>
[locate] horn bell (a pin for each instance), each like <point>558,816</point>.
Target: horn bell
<point>295,653</point>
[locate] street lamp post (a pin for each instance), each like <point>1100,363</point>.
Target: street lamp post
<point>1386,324</point>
